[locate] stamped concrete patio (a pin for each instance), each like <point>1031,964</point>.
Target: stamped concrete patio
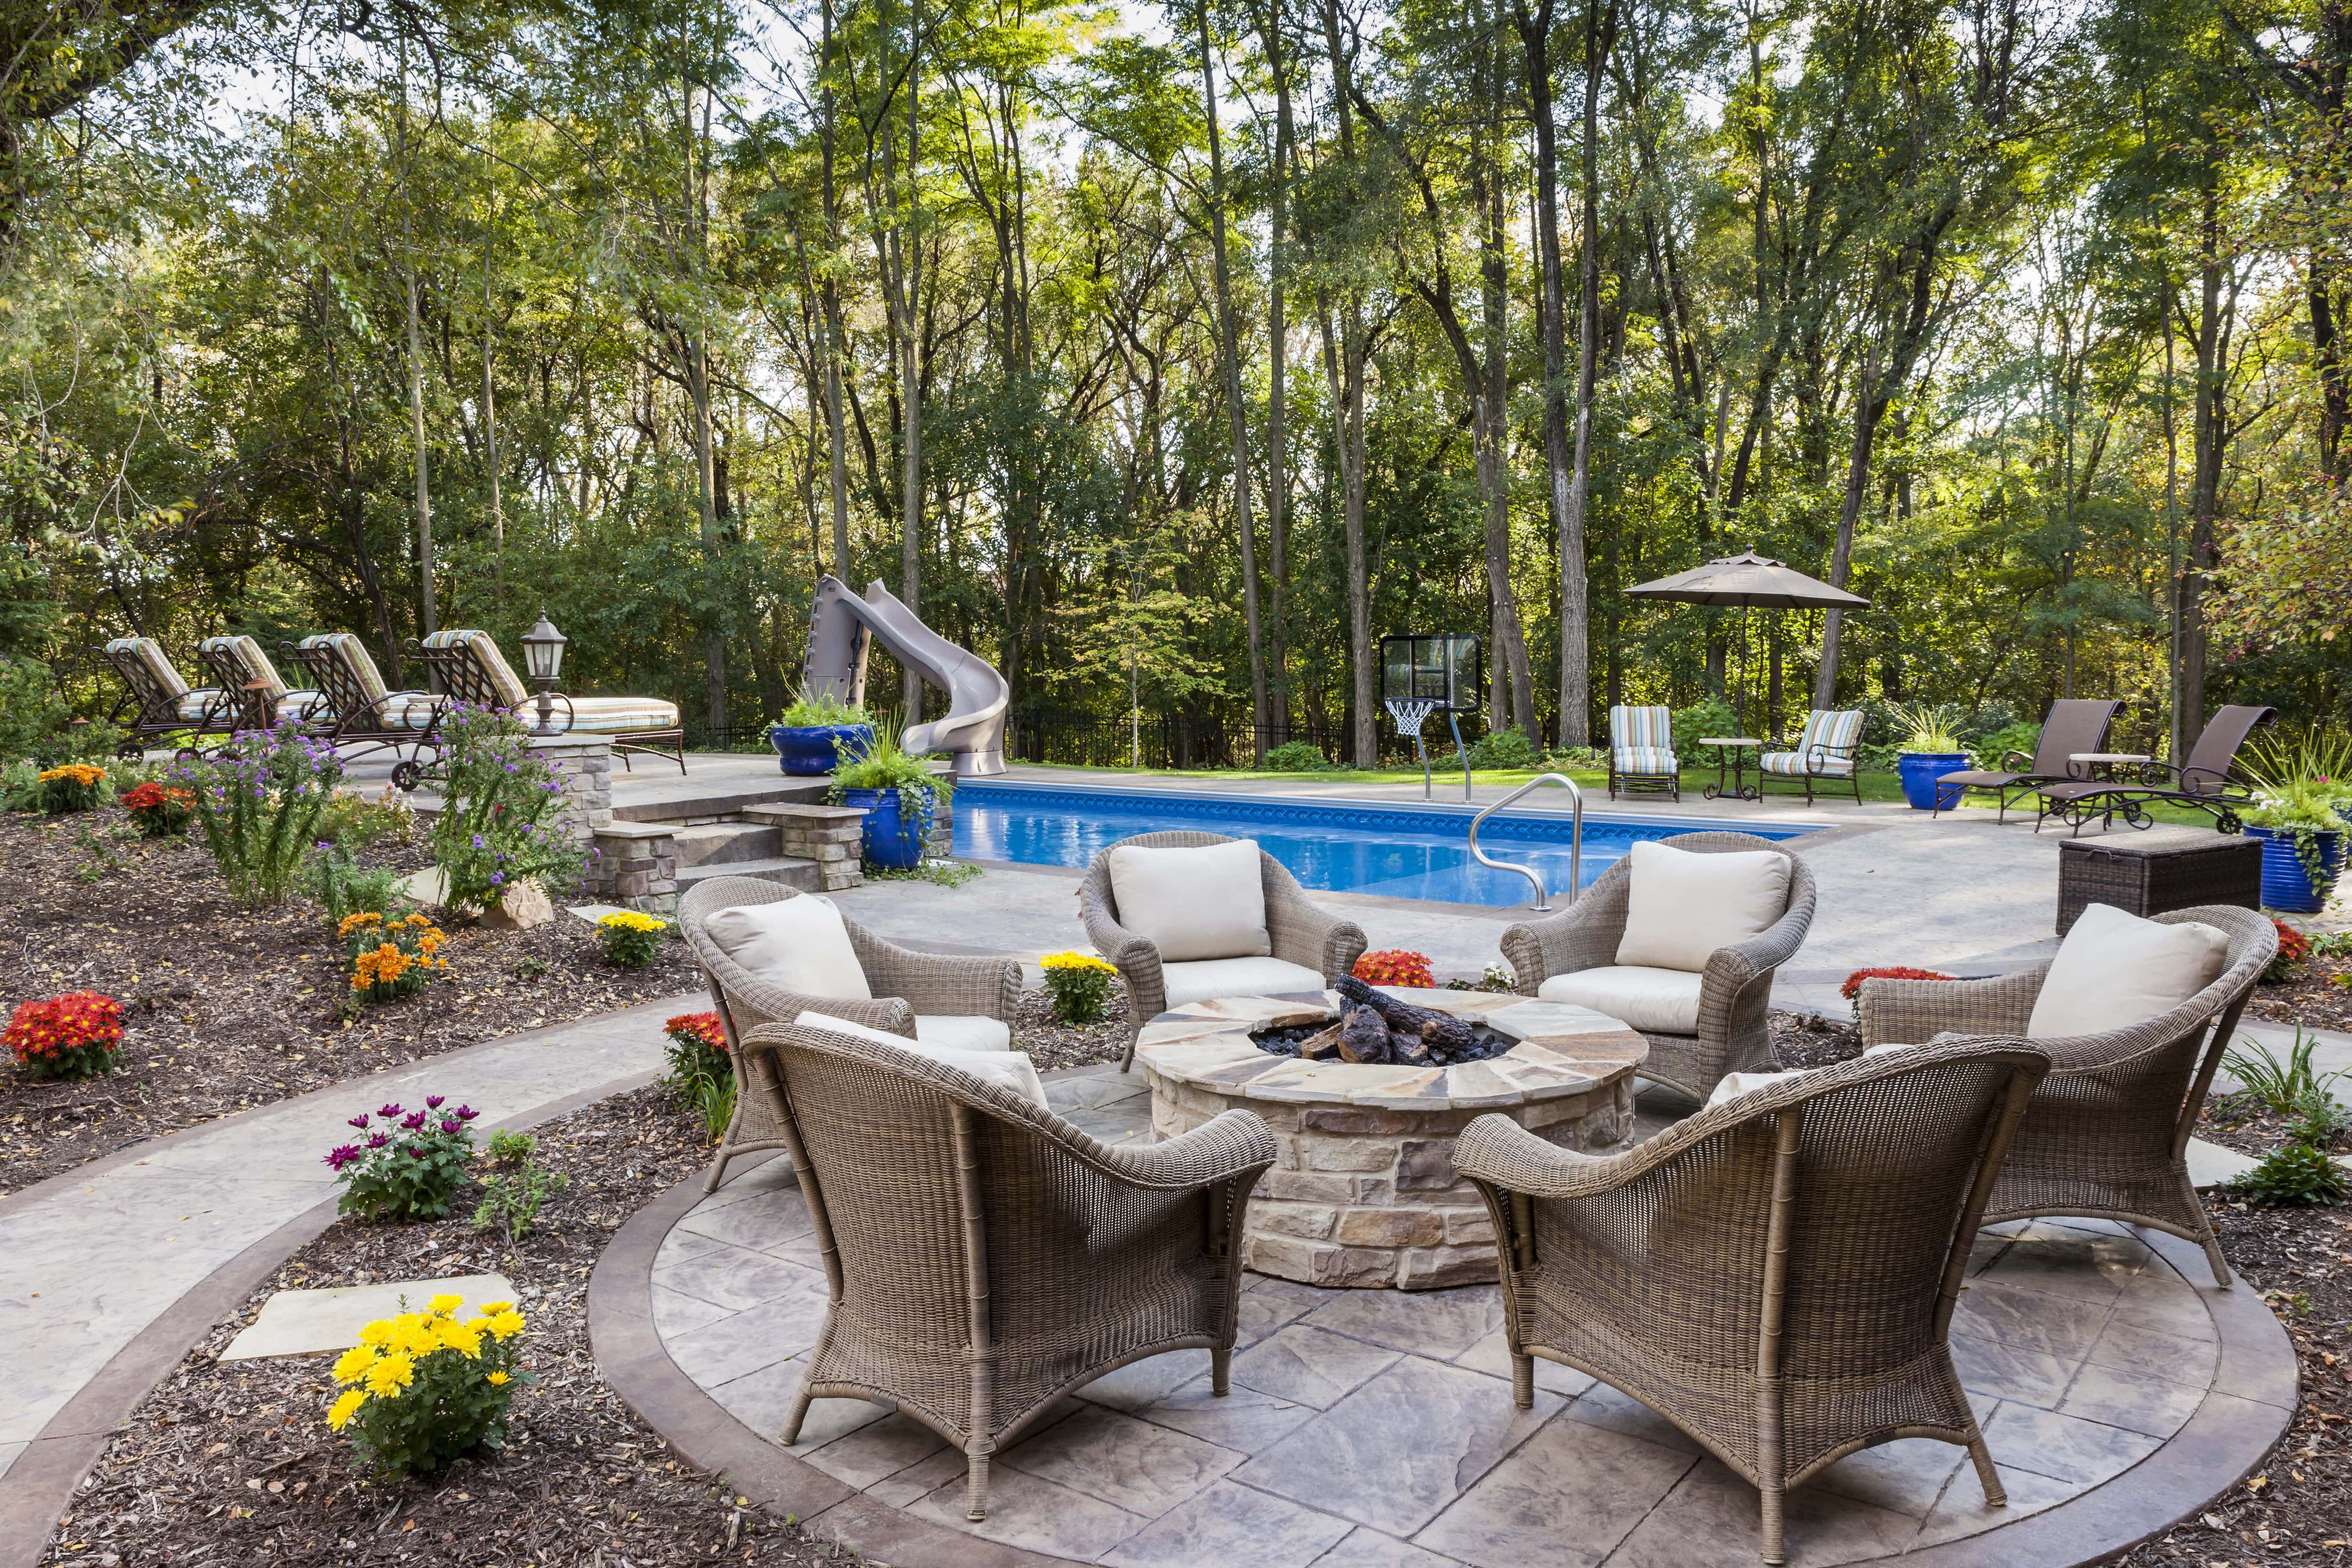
<point>1376,1428</point>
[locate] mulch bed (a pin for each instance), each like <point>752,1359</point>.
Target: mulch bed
<point>232,1464</point>
<point>2318,996</point>
<point>228,1008</point>
<point>1053,1044</point>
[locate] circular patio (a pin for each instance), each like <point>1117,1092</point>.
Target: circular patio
<point>1376,1428</point>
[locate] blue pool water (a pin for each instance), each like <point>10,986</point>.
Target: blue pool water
<point>1412,852</point>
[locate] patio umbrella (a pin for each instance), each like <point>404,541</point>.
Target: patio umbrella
<point>1751,581</point>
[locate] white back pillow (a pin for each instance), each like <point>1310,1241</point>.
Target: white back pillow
<point>1007,1069</point>
<point>1681,906</point>
<point>2115,970</point>
<point>799,944</point>
<point>1205,901</point>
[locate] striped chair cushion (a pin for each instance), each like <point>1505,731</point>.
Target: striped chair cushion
<point>509,686</point>
<point>249,658</point>
<point>303,705</point>
<point>1632,729</point>
<point>352,655</point>
<point>205,704</point>
<point>1644,759</point>
<point>617,715</point>
<point>151,657</point>
<point>1836,732</point>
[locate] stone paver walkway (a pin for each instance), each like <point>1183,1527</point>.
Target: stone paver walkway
<point>1376,1428</point>
<point>90,1258</point>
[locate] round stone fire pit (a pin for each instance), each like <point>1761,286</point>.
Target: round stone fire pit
<point>1363,1191</point>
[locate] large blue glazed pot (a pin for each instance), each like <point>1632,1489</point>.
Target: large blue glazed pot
<point>894,837</point>
<point>2286,881</point>
<point>807,751</point>
<point>1920,770</point>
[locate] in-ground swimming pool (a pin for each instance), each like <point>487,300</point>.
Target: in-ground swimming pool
<point>1412,852</point>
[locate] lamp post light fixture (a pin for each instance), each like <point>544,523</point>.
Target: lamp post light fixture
<point>543,655</point>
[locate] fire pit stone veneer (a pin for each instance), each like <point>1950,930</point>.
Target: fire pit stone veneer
<point>1363,1192</point>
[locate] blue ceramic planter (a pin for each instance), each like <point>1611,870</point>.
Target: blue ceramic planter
<point>894,839</point>
<point>1920,770</point>
<point>807,751</point>
<point>2286,881</point>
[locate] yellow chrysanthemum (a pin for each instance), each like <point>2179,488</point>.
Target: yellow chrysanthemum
<point>354,1364</point>
<point>497,1379</point>
<point>1073,960</point>
<point>377,1334</point>
<point>461,1337</point>
<point>492,1308</point>
<point>412,1339</point>
<point>391,1374</point>
<point>441,1306</point>
<point>346,1405</point>
<point>505,1325</point>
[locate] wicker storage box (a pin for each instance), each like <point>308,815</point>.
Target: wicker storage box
<point>2150,879</point>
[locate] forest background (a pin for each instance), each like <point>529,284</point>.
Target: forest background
<point>1170,357</point>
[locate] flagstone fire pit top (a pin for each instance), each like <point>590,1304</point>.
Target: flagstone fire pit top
<point>1561,1051</point>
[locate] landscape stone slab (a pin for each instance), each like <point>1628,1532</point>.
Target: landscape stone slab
<point>313,1322</point>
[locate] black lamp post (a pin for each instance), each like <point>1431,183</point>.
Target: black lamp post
<point>543,655</point>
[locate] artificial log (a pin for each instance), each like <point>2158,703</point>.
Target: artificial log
<point>1364,1036</point>
<point>1445,1035</point>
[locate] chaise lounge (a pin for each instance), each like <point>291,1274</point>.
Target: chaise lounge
<point>468,666</point>
<point>2208,780</point>
<point>2074,727</point>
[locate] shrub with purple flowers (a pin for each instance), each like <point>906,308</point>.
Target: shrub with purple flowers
<point>257,801</point>
<point>498,824</point>
<point>406,1164</point>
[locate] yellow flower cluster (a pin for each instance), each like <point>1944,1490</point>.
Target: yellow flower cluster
<point>80,773</point>
<point>630,920</point>
<point>384,1361</point>
<point>1075,961</point>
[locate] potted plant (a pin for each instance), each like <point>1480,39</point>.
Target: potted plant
<point>818,733</point>
<point>896,792</point>
<point>2302,790</point>
<point>1926,753</point>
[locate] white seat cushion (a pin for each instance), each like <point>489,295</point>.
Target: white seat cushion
<point>1659,1001</point>
<point>1681,906</point>
<point>1734,1084</point>
<point>1005,1068</point>
<point>797,944</point>
<point>960,1033</point>
<point>1200,901</point>
<point>2115,970</point>
<point>1204,980</point>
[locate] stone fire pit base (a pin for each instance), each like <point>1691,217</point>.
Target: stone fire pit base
<point>1364,1191</point>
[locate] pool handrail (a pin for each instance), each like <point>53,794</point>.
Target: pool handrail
<point>1575,839</point>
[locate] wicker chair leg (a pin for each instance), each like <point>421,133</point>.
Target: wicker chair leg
<point>1221,1372</point>
<point>1995,1494</point>
<point>797,1414</point>
<point>2223,1278</point>
<point>718,1169</point>
<point>1774,1548</point>
<point>1523,1382</point>
<point>975,1484</point>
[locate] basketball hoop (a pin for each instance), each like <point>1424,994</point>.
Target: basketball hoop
<point>1409,712</point>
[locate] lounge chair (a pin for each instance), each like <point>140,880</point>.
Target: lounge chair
<point>1703,1008</point>
<point>1829,747</point>
<point>2107,1134</point>
<point>2208,780</point>
<point>360,711</point>
<point>1642,752</point>
<point>1776,1275</point>
<point>261,694</point>
<point>983,1259</point>
<point>2073,725</point>
<point>945,1001</point>
<point>1189,930</point>
<point>169,708</point>
<point>467,665</point>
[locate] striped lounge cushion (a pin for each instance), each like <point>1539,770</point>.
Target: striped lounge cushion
<point>1644,759</point>
<point>204,705</point>
<point>1836,733</point>
<point>151,657</point>
<point>249,658</point>
<point>617,715</point>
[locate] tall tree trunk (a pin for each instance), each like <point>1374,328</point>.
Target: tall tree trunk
<point>830,295</point>
<point>1277,476</point>
<point>429,611</point>
<point>1236,412</point>
<point>1344,365</point>
<point>490,419</point>
<point>1487,184</point>
<point>908,292</point>
<point>2209,433</point>
<point>1575,677</point>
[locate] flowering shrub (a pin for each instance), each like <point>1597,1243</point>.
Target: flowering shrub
<point>1078,985</point>
<point>1395,966</point>
<point>1852,989</point>
<point>497,825</point>
<point>422,1389</point>
<point>72,1036</point>
<point>700,1077</point>
<point>2293,948</point>
<point>73,787</point>
<point>258,801</point>
<point>409,1167</point>
<point>157,810</point>
<point>630,939</point>
<point>391,959</point>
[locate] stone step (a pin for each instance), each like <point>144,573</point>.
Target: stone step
<point>721,842</point>
<point>692,801</point>
<point>805,875</point>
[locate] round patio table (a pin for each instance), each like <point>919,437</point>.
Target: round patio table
<point>1735,748</point>
<point>1363,1192</point>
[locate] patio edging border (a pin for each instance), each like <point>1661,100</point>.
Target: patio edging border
<point>2247,1408</point>
<point>38,1486</point>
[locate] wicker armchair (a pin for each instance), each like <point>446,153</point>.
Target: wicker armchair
<point>1735,995</point>
<point>985,1257</point>
<point>904,983</point>
<point>1302,934</point>
<point>1775,1275</point>
<point>2107,1134</point>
